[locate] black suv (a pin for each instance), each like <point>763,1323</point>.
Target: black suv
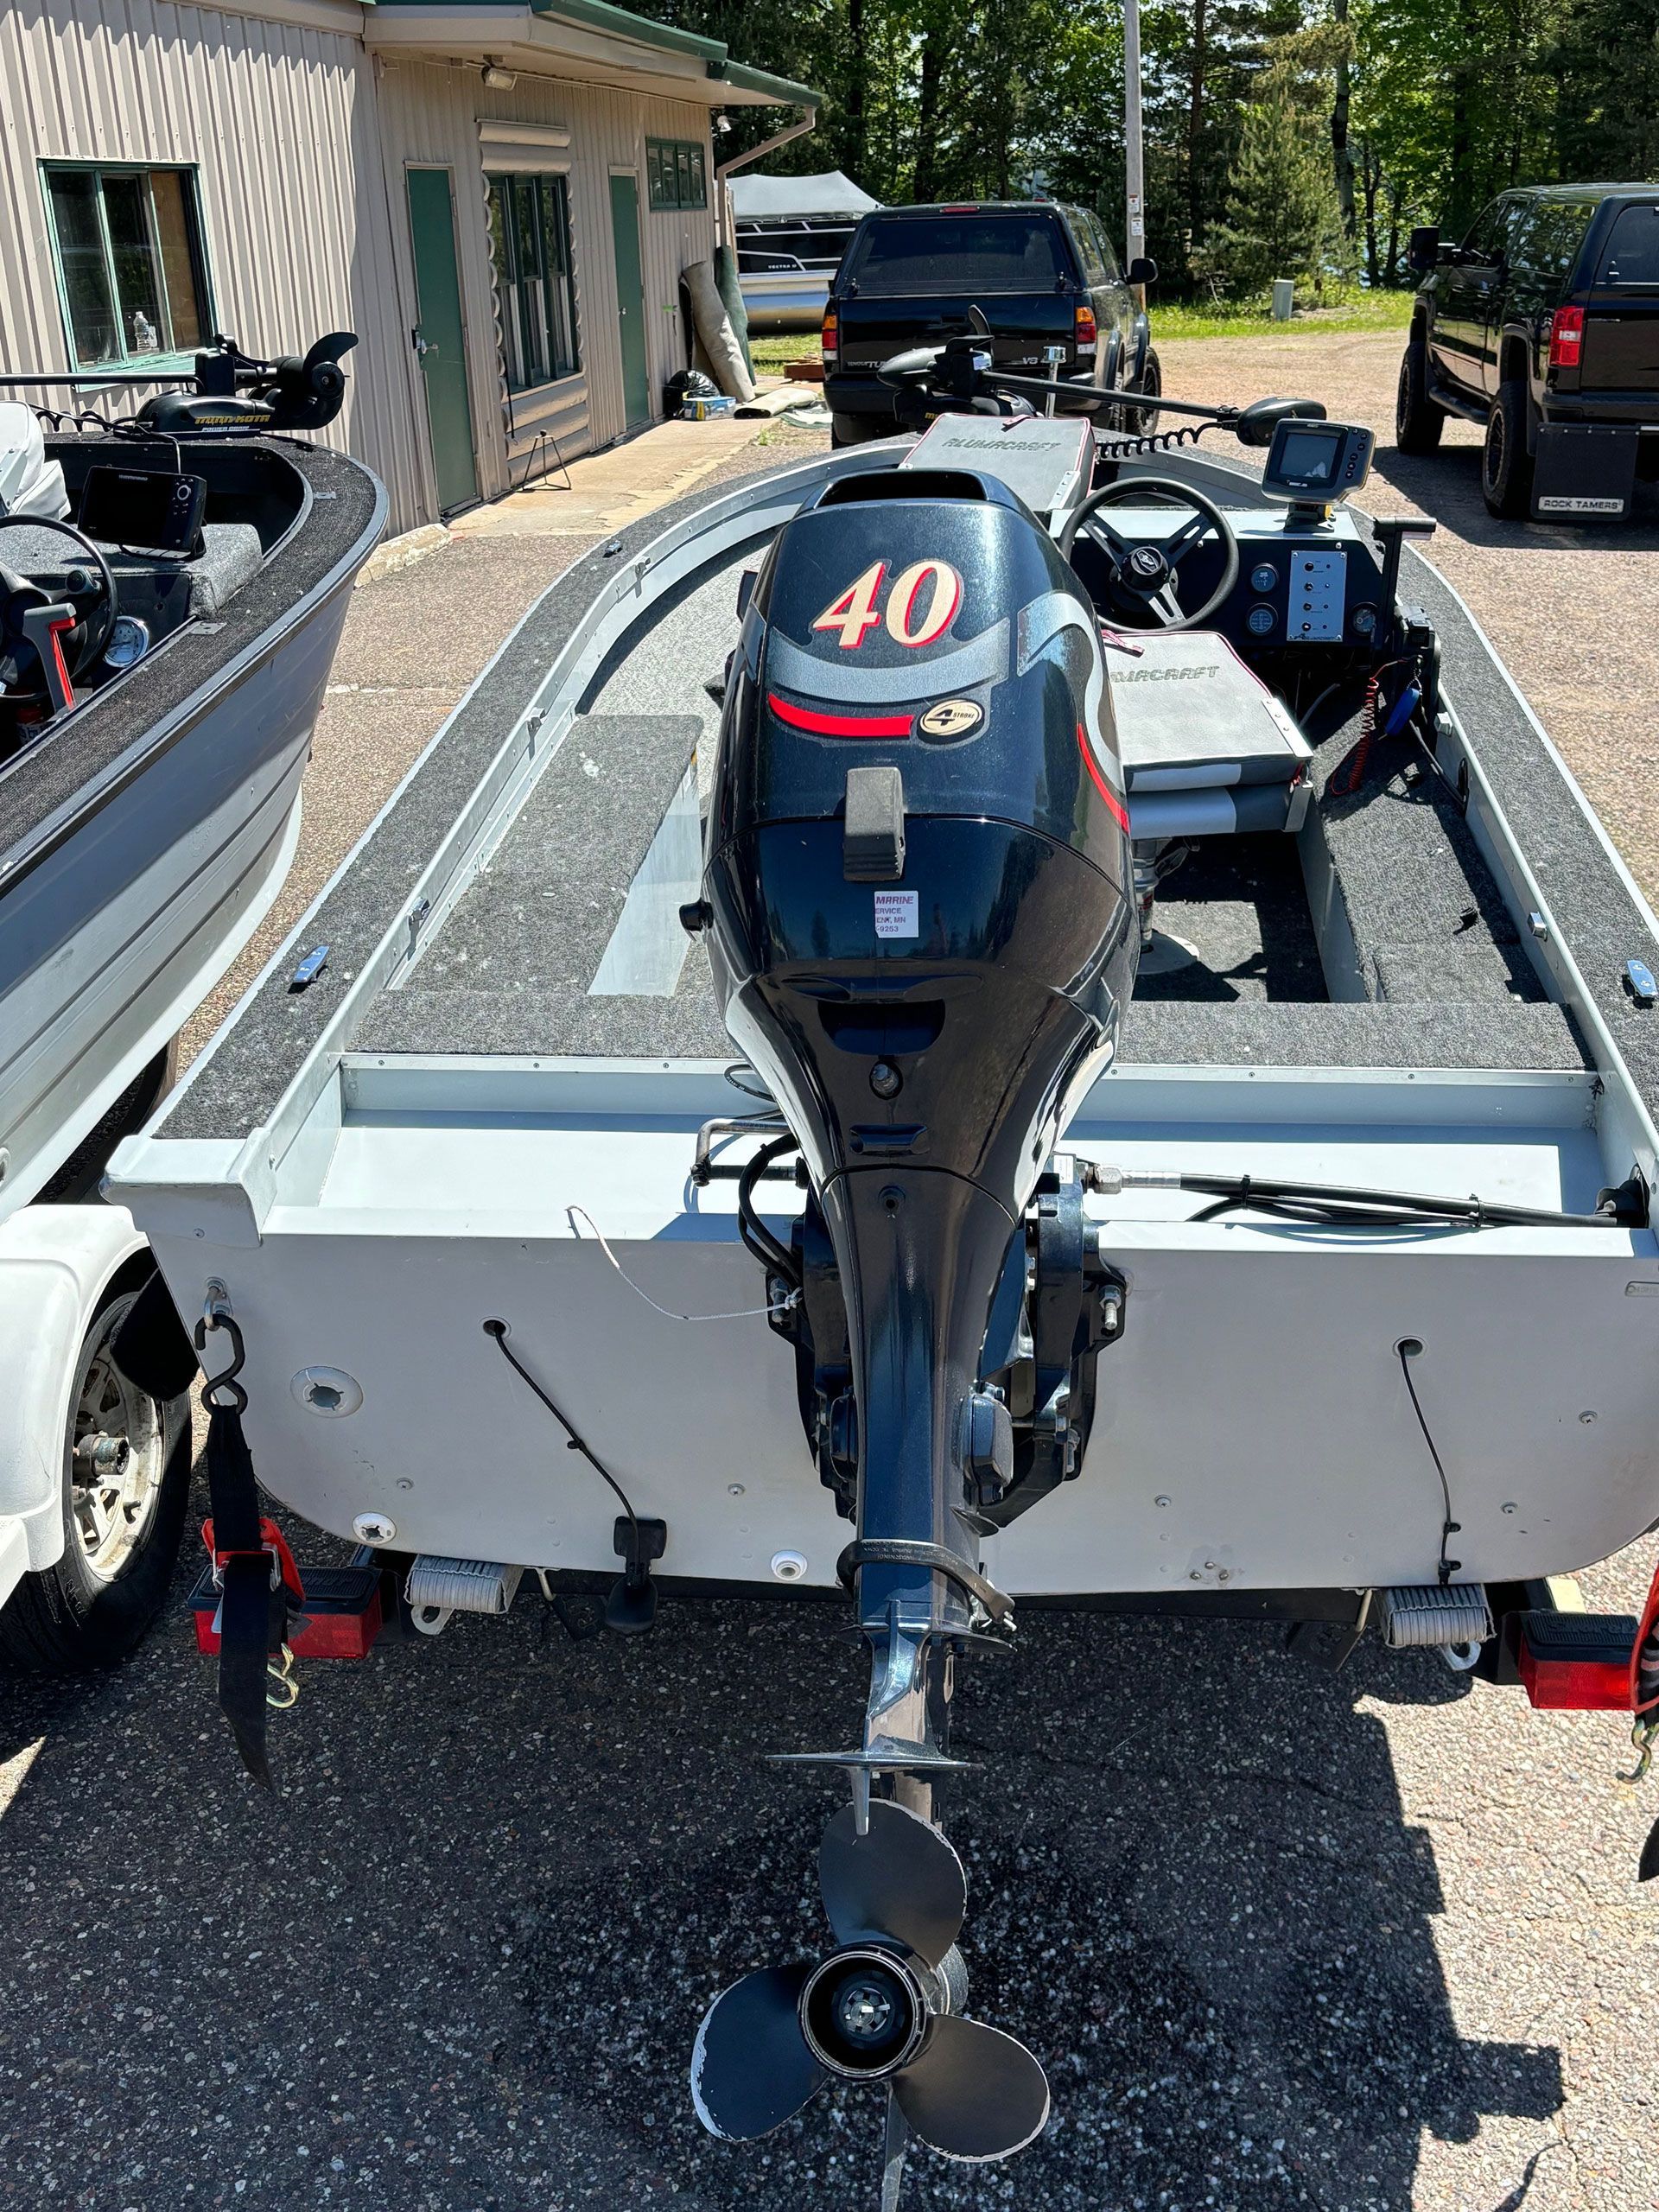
<point>1044,277</point>
<point>1545,319</point>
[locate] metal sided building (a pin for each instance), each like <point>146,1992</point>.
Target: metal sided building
<point>497,196</point>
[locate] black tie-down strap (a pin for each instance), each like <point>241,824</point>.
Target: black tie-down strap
<point>901,1551</point>
<point>258,1581</point>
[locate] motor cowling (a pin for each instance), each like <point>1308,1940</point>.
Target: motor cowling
<point>921,920</point>
<point>966,927</point>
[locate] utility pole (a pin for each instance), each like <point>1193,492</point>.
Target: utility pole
<point>1133,183</point>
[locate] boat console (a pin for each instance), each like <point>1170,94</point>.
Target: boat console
<point>115,534</point>
<point>129,540</point>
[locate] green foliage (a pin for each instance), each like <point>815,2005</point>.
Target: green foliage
<point>1415,111</point>
<point>1605,60</point>
<point>1281,217</point>
<point>1365,311</point>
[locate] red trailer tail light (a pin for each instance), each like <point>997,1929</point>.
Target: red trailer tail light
<point>830,338</point>
<point>1085,329</point>
<point>341,1618</point>
<point>1576,1663</point>
<point>1566,338</point>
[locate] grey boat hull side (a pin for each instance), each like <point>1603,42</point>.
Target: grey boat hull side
<point>785,299</point>
<point>184,861</point>
<point>124,907</point>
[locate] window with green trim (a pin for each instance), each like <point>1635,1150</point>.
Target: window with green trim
<point>677,173</point>
<point>535,283</point>
<point>132,274</point>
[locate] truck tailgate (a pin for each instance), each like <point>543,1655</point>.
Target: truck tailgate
<point>872,331</point>
<point>1621,343</point>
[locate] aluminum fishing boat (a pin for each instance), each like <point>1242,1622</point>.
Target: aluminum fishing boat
<point>1011,1014</point>
<point>172,590</point>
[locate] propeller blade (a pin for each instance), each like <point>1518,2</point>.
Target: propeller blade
<point>750,2066</point>
<point>974,2093</point>
<point>911,364</point>
<point>901,1881</point>
<point>334,347</point>
<point>1648,1866</point>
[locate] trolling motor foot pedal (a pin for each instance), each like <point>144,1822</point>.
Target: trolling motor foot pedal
<point>632,1606</point>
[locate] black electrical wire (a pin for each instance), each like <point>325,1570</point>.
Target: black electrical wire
<point>1407,1348</point>
<point>577,1443</point>
<point>757,1238</point>
<point>735,1074</point>
<point>1330,1205</point>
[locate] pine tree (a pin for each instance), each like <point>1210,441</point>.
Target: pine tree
<point>1282,218</point>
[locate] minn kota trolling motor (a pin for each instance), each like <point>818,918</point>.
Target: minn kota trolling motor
<point>226,393</point>
<point>918,907</point>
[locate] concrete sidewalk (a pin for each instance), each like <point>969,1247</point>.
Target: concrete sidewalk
<point>614,487</point>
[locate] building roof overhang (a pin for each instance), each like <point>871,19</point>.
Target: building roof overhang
<point>587,40</point>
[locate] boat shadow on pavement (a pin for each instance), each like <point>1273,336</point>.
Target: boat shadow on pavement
<point>460,1961</point>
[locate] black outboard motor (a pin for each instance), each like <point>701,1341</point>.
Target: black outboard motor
<point>918,895</point>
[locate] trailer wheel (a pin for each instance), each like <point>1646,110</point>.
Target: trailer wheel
<point>1505,464</point>
<point>1418,422</point>
<point>126,1484</point>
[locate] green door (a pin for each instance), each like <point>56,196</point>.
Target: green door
<point>630,297</point>
<point>438,337</point>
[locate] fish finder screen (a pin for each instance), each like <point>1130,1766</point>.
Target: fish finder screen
<point>146,507</point>
<point>1310,456</point>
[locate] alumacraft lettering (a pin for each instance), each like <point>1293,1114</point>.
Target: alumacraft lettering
<point>1164,676</point>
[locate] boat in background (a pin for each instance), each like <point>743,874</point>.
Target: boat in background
<point>792,233</point>
<point>162,660</point>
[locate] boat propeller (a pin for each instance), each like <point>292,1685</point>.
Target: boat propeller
<point>882,2008</point>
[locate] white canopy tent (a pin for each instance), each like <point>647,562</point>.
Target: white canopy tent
<point>757,199</point>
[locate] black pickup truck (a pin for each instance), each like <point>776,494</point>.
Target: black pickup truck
<point>1043,276</point>
<point>1543,324</point>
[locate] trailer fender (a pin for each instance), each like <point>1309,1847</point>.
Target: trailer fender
<point>56,1264</point>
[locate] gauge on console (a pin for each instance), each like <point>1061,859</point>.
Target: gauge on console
<point>129,642</point>
<point>1363,619</point>
<point>1260,621</point>
<point>1264,578</point>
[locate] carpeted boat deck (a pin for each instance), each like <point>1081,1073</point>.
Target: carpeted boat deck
<point>1378,938</point>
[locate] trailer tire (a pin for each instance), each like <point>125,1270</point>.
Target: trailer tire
<point>1418,422</point>
<point>121,1535</point>
<point>1505,464</point>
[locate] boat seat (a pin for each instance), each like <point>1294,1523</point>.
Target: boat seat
<point>231,554</point>
<point>1207,749</point>
<point>162,590</point>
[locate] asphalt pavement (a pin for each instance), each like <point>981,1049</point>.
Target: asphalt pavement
<point>1361,1942</point>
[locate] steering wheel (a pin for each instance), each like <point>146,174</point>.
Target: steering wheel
<point>26,608</point>
<point>1143,577</point>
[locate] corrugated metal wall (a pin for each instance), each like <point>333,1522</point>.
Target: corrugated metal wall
<point>301,141</point>
<point>280,121</point>
<point>429,113</point>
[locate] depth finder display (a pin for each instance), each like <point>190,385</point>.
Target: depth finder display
<point>1310,456</point>
<point>1321,461</point>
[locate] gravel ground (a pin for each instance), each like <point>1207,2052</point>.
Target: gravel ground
<point>1363,1942</point>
